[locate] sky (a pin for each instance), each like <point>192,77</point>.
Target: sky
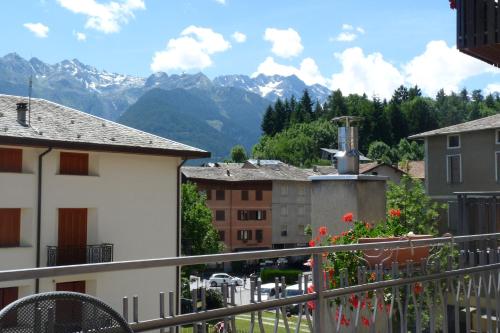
<point>361,46</point>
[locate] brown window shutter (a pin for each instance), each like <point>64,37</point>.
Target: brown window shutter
<point>7,296</point>
<point>74,164</point>
<point>10,227</point>
<point>11,160</point>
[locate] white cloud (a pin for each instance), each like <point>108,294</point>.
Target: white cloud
<point>369,74</point>
<point>441,66</point>
<point>108,17</point>
<point>40,30</point>
<point>239,37</point>
<point>286,42</point>
<point>191,50</point>
<point>307,72</point>
<point>492,88</point>
<point>222,2</point>
<point>80,36</point>
<point>348,34</point>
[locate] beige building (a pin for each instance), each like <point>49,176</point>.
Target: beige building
<point>78,189</point>
<point>465,158</point>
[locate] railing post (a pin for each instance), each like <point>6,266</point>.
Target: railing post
<point>320,314</point>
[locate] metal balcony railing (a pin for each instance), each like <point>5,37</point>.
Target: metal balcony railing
<point>90,254</point>
<point>452,290</point>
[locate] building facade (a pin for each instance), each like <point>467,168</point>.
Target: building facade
<point>78,189</point>
<point>464,158</point>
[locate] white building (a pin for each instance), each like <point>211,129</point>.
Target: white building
<point>75,189</point>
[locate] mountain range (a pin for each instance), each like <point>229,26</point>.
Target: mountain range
<point>211,114</point>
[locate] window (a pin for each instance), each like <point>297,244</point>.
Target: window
<point>261,215</point>
<point>259,235</point>
<point>220,215</point>
<point>222,235</point>
<point>209,194</point>
<point>74,164</point>
<point>454,169</point>
<point>10,227</point>
<point>258,195</point>
<point>244,195</point>
<point>254,215</point>
<point>497,166</point>
<point>244,235</point>
<point>497,137</point>
<point>11,160</point>
<point>300,230</point>
<point>7,296</point>
<point>284,189</point>
<point>220,195</point>
<point>284,230</point>
<point>454,141</point>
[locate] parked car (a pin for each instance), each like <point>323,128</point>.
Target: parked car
<point>294,290</point>
<point>268,291</point>
<point>219,278</point>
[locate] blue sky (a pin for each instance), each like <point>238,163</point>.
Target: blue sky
<point>357,46</point>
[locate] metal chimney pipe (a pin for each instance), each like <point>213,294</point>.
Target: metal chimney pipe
<point>348,155</point>
<point>22,109</point>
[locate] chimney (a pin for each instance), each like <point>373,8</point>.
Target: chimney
<point>348,155</point>
<point>22,109</point>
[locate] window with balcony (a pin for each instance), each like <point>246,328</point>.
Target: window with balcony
<point>10,227</point>
<point>284,230</point>
<point>220,195</point>
<point>258,195</point>
<point>11,160</point>
<point>244,235</point>
<point>454,141</point>
<point>244,195</point>
<point>454,169</point>
<point>251,215</point>
<point>259,235</point>
<point>74,164</point>
<point>220,215</point>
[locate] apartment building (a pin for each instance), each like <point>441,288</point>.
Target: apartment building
<point>78,189</point>
<point>463,161</point>
<point>259,204</point>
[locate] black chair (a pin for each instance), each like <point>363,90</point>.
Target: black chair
<point>61,312</point>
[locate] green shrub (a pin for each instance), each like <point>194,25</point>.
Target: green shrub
<point>269,274</point>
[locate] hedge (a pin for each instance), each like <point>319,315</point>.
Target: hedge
<point>269,274</point>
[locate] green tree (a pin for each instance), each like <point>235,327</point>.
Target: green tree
<point>381,152</point>
<point>418,212</point>
<point>198,233</point>
<point>268,122</point>
<point>238,154</point>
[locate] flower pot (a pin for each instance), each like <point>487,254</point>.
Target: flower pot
<point>400,255</point>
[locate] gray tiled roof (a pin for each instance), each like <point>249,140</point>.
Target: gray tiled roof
<point>279,171</point>
<point>491,122</point>
<point>63,127</point>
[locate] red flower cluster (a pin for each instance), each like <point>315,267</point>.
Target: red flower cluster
<point>395,212</point>
<point>323,231</point>
<point>343,320</point>
<point>419,288</point>
<point>312,243</point>
<point>311,305</point>
<point>348,217</point>
<point>365,321</point>
<point>453,4</point>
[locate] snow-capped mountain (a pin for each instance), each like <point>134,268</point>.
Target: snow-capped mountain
<point>273,87</point>
<point>107,94</point>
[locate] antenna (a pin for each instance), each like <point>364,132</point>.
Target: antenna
<point>29,99</point>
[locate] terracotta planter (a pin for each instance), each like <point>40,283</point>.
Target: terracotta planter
<point>401,255</point>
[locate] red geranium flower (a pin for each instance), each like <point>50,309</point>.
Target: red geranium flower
<point>311,305</point>
<point>347,217</point>
<point>354,301</point>
<point>312,243</point>
<point>418,288</point>
<point>395,212</point>
<point>365,321</point>
<point>323,230</point>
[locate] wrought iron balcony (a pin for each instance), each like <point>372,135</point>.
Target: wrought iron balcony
<point>90,254</point>
<point>478,29</point>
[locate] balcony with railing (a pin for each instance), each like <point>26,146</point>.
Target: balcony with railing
<point>450,290</point>
<point>478,29</point>
<point>90,254</point>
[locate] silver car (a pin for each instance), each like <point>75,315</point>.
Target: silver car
<point>219,278</point>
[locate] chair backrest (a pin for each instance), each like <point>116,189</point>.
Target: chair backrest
<point>61,312</point>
